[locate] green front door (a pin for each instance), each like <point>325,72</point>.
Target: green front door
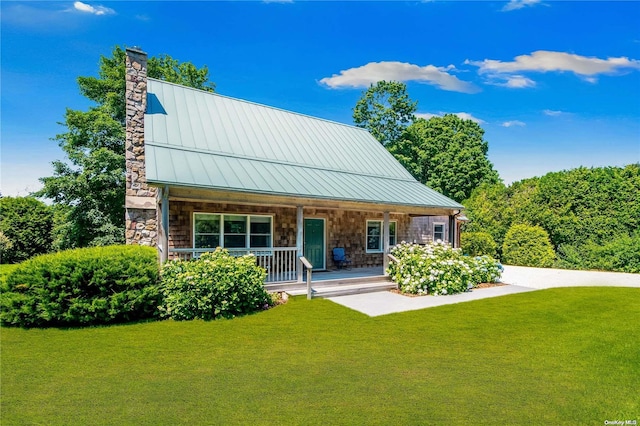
<point>314,242</point>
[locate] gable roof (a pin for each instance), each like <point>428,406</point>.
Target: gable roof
<point>205,140</point>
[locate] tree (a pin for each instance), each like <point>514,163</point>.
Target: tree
<point>447,154</point>
<point>25,224</point>
<point>592,216</point>
<point>91,182</point>
<point>385,110</point>
<point>489,211</point>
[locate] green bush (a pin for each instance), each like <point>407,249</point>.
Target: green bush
<point>217,285</point>
<point>477,244</point>
<point>527,245</point>
<point>98,285</point>
<point>621,254</point>
<point>26,225</point>
<point>438,269</point>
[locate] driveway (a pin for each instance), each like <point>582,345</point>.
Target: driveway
<point>520,279</point>
<point>547,278</point>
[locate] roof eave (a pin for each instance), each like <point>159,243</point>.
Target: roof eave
<point>213,194</point>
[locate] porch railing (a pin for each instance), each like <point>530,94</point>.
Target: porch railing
<point>279,262</point>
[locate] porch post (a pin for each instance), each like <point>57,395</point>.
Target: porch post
<point>164,256</point>
<point>452,231</point>
<point>299,241</point>
<point>385,243</point>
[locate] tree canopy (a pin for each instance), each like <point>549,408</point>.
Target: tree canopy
<point>385,110</point>
<point>447,154</point>
<point>592,215</point>
<point>91,181</point>
<point>25,227</point>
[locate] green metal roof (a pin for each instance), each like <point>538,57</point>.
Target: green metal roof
<point>200,139</point>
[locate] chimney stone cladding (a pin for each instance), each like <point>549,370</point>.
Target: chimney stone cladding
<point>141,214</point>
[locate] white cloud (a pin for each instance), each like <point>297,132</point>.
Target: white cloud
<point>463,115</point>
<point>519,4</point>
<point>552,113</point>
<point>427,115</point>
<point>545,61</point>
<point>513,123</point>
<point>517,82</point>
<point>373,72</point>
<point>95,10</point>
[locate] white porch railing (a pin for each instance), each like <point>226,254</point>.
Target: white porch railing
<point>280,262</point>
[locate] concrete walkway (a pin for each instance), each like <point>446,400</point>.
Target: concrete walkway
<point>519,278</point>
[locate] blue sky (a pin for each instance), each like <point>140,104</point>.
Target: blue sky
<point>555,85</point>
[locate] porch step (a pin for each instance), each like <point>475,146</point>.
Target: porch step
<point>336,287</point>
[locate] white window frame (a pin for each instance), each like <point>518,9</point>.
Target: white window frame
<point>248,229</point>
<point>444,232</point>
<point>366,235</point>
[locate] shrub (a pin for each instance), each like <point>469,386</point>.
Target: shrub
<point>622,254</point>
<point>99,285</point>
<point>438,269</point>
<point>217,285</point>
<point>26,223</point>
<point>527,245</point>
<point>477,244</point>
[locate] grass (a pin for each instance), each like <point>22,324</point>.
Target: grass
<point>545,357</point>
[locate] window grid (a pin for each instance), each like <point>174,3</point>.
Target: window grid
<point>373,243</point>
<point>234,225</point>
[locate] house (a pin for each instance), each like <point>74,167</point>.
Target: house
<point>204,170</point>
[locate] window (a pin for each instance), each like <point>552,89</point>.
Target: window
<point>438,231</point>
<point>374,235</point>
<point>231,231</point>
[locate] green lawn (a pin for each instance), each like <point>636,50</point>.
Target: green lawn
<point>545,357</point>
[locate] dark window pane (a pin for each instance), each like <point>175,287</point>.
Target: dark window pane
<point>392,240</point>
<point>207,241</point>
<point>234,241</point>
<point>207,224</point>
<point>260,227</point>
<point>260,241</point>
<point>373,228</point>
<point>373,243</point>
<point>235,225</point>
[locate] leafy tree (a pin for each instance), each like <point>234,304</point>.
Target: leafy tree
<point>91,182</point>
<point>26,226</point>
<point>385,110</point>
<point>489,211</point>
<point>446,153</point>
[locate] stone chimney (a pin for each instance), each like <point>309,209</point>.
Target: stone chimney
<point>141,213</point>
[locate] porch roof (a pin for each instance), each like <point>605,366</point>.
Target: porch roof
<point>204,140</point>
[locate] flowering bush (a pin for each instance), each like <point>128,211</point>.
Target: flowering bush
<point>213,286</point>
<point>438,269</point>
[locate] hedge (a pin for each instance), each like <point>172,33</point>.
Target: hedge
<point>527,245</point>
<point>89,286</point>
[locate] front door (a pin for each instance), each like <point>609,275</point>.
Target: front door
<point>314,242</point>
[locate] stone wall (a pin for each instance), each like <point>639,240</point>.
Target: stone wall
<point>343,228</point>
<point>141,214</point>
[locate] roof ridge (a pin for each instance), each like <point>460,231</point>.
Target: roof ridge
<point>285,163</point>
<point>260,105</point>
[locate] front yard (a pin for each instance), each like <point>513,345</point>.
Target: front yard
<point>556,356</point>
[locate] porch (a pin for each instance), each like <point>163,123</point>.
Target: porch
<point>285,272</point>
<point>282,265</point>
